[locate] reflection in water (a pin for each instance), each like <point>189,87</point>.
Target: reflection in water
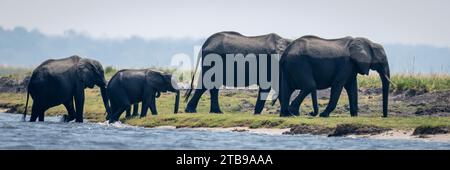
<point>53,134</point>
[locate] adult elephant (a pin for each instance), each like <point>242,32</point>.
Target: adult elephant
<point>62,81</point>
<point>225,43</point>
<point>132,86</point>
<point>310,63</point>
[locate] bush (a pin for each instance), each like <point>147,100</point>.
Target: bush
<point>110,69</point>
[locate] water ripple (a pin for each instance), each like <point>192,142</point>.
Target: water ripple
<point>54,134</point>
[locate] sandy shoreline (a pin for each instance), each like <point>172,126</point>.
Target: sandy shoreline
<point>3,110</point>
<point>392,135</point>
<point>407,134</point>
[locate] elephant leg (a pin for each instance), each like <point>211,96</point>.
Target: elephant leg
<point>352,91</point>
<point>334,98</point>
<point>285,95</point>
<point>314,103</point>
<point>70,111</point>
<point>79,104</point>
<point>294,107</point>
<point>215,108</point>
<point>41,115</point>
<point>116,114</point>
<point>146,99</point>
<point>128,112</point>
<point>153,105</point>
<point>192,104</point>
<point>113,110</point>
<point>259,106</point>
<point>135,109</point>
<point>36,110</point>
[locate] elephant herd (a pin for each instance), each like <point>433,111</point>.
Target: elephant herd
<point>308,64</point>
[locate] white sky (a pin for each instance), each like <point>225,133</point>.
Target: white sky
<point>385,21</point>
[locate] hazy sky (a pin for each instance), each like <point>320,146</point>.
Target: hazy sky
<point>385,21</point>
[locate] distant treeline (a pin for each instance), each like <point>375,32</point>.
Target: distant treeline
<point>24,48</point>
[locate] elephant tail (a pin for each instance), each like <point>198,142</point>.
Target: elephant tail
<point>274,101</point>
<point>189,91</point>
<point>26,107</point>
<point>280,75</point>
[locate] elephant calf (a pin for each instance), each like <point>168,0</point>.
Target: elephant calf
<point>136,107</point>
<point>132,86</point>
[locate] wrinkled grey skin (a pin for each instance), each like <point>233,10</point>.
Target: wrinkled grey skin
<point>132,86</point>
<point>62,81</point>
<point>223,43</point>
<point>311,63</point>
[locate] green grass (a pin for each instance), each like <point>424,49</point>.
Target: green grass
<point>418,82</point>
<point>238,107</point>
<point>242,117</point>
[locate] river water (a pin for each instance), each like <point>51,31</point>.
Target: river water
<point>53,134</point>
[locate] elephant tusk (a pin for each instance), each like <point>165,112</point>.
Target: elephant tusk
<point>388,79</point>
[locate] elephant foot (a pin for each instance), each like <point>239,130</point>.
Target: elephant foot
<point>216,112</point>
<point>256,113</point>
<point>128,117</point>
<point>324,114</point>
<point>286,114</point>
<point>294,111</point>
<point>190,110</point>
<point>313,114</point>
<point>67,118</point>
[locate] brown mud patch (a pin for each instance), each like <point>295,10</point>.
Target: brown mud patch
<point>356,129</point>
<point>431,130</point>
<point>339,130</point>
<point>309,129</point>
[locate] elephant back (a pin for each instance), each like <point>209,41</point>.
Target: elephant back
<point>236,43</point>
<point>325,48</point>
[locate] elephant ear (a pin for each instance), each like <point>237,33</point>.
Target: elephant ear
<point>378,52</point>
<point>85,73</point>
<point>156,80</point>
<point>360,55</point>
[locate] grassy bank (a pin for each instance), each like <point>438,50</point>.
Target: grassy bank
<point>238,107</point>
<point>417,82</point>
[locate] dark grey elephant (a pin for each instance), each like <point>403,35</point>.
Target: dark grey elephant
<point>132,86</point>
<point>136,108</point>
<point>224,43</point>
<point>62,81</point>
<point>311,63</point>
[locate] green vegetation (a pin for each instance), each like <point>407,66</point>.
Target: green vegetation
<point>14,72</point>
<point>403,82</point>
<point>238,107</point>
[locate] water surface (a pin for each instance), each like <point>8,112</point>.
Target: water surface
<point>53,134</point>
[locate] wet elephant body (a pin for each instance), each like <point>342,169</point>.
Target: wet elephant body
<point>62,81</point>
<point>131,86</point>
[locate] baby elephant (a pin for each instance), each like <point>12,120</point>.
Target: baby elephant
<point>135,108</point>
<point>132,86</point>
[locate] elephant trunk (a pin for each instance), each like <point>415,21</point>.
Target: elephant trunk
<point>105,99</point>
<point>385,81</point>
<point>177,102</point>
